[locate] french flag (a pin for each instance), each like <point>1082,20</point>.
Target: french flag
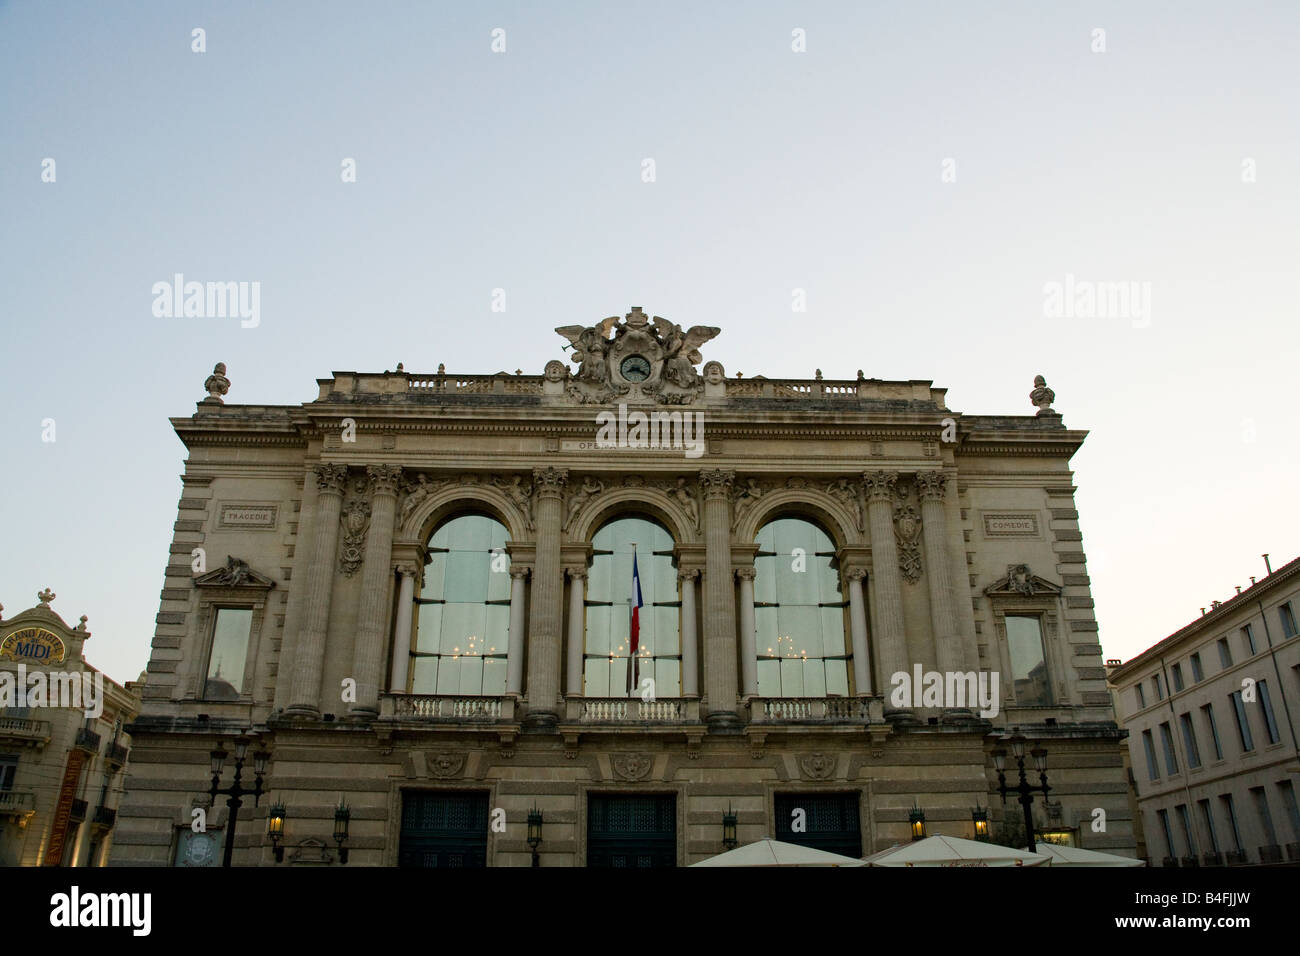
<point>634,628</point>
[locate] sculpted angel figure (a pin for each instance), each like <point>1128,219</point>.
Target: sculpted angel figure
<point>589,347</point>
<point>590,486</point>
<point>519,493</point>
<point>681,491</point>
<point>681,350</point>
<point>746,494</point>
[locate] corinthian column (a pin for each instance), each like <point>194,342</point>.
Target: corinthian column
<point>949,647</point>
<point>577,629</point>
<point>545,613</point>
<point>748,651</point>
<point>402,629</point>
<point>719,602</point>
<point>858,632</point>
<point>891,642</point>
<point>690,643</point>
<point>318,585</point>
<point>376,577</point>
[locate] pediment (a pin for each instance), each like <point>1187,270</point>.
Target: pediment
<point>1020,581</point>
<point>235,574</point>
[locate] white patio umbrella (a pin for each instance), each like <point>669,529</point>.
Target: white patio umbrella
<point>954,851</point>
<point>770,852</point>
<point>1077,856</point>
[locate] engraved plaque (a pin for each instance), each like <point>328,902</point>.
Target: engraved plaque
<point>249,517</point>
<point>1009,525</point>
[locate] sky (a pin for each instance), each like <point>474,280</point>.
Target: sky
<point>923,172</point>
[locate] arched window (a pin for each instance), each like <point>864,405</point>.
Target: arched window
<point>463,610</point>
<point>799,613</point>
<point>609,587</point>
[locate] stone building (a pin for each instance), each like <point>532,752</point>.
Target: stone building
<point>63,743</point>
<point>415,590</point>
<point>1212,713</point>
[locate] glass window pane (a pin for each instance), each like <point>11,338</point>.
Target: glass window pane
<point>1028,664</point>
<point>229,654</point>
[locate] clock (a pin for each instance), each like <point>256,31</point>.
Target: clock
<point>635,368</point>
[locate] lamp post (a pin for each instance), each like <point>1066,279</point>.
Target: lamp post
<point>729,840</point>
<point>236,790</point>
<point>1024,788</point>
<point>275,829</point>
<point>916,820</point>
<point>980,817</point>
<point>535,833</point>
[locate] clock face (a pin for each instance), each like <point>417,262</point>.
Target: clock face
<point>635,368</point>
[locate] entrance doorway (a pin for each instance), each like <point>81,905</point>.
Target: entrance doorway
<point>443,829</point>
<point>631,830</point>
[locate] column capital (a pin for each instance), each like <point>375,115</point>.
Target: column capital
<point>576,571</point>
<point>406,569</point>
<point>331,479</point>
<point>384,479</point>
<point>550,482</point>
<point>855,574</point>
<point>687,574</point>
<point>519,571</point>
<point>880,485</point>
<point>746,574</point>
<point>716,482</point>
<point>931,485</point>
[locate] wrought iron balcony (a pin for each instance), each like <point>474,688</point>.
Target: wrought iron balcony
<point>24,732</point>
<point>116,754</point>
<point>78,810</point>
<point>1170,861</point>
<point>87,740</point>
<point>447,708</point>
<point>104,817</point>
<point>1190,861</point>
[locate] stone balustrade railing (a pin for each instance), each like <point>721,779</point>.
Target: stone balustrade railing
<point>23,731</point>
<point>449,708</point>
<point>786,710</point>
<point>632,710</point>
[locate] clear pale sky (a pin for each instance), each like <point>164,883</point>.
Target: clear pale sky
<point>775,170</point>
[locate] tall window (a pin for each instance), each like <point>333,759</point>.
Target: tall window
<point>1208,710</point>
<point>1265,818</point>
<point>1028,660</point>
<point>1270,721</point>
<point>1185,820</point>
<point>1243,722</point>
<point>1167,742</point>
<point>1287,617</point>
<point>1208,816</point>
<point>1168,831</point>
<point>1141,696</point>
<point>799,613</point>
<point>1160,687</point>
<point>464,611</point>
<point>1225,653</point>
<point>1176,675</point>
<point>1153,769</point>
<point>225,678</point>
<point>1249,634</point>
<point>1189,740</point>
<point>1198,674</point>
<point>8,767</point>
<point>1233,824</point>
<point>1287,789</point>
<point>609,614</point>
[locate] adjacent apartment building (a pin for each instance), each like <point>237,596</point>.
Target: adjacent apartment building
<point>63,743</point>
<point>417,592</point>
<point>1212,713</point>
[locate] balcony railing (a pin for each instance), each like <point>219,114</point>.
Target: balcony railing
<point>78,810</point>
<point>447,708</point>
<point>1270,854</point>
<point>632,710</point>
<point>803,710</point>
<point>87,740</point>
<point>116,754</point>
<point>104,817</point>
<point>20,730</point>
<point>17,803</point>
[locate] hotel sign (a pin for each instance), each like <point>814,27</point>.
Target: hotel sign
<point>34,644</point>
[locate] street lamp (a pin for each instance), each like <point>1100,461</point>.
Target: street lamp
<point>980,817</point>
<point>341,817</point>
<point>916,819</point>
<point>729,841</point>
<point>1025,790</point>
<point>236,790</point>
<point>535,833</point>
<point>275,829</point>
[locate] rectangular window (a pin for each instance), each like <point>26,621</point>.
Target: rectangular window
<point>1168,831</point>
<point>1185,822</point>
<point>1176,676</point>
<point>225,679</point>
<point>1265,818</point>
<point>1231,811</point>
<point>1153,771</point>
<point>1028,660</point>
<point>1248,634</point>
<point>1160,688</point>
<point>1141,695</point>
<point>1198,674</point>
<point>1243,722</point>
<point>1167,743</point>
<point>1287,790</point>
<point>1189,740</point>
<point>1208,710</point>
<point>8,767</point>
<point>1270,723</point>
<point>1208,816</point>
<point>1225,653</point>
<point>1288,620</point>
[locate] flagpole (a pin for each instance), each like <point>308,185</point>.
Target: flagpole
<point>631,662</point>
